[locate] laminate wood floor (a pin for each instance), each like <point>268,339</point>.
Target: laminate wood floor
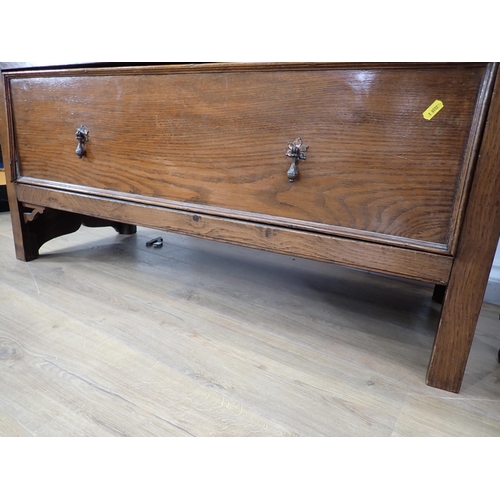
<point>103,336</point>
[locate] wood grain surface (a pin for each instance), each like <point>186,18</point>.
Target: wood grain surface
<point>471,267</point>
<point>217,140</point>
<point>403,262</point>
<point>24,245</point>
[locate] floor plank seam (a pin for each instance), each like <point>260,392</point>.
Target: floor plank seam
<point>399,414</point>
<point>445,398</point>
<point>34,279</point>
<point>17,422</point>
<point>90,383</point>
<point>114,394</point>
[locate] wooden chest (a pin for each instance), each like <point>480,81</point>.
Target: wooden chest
<point>387,168</point>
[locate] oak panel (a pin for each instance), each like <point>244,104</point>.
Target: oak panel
<point>406,263</point>
<point>217,140</point>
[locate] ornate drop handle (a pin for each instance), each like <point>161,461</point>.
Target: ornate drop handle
<point>82,136</point>
<point>297,151</point>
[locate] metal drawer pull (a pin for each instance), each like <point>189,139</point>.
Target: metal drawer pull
<point>297,151</point>
<point>82,136</point>
<point>155,242</point>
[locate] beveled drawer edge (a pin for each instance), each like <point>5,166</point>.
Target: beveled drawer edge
<point>368,256</point>
<point>472,149</point>
<point>314,227</point>
<point>223,68</point>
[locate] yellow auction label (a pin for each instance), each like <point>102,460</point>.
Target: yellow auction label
<point>433,109</point>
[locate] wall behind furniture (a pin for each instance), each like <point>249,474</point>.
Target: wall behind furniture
<point>492,294</point>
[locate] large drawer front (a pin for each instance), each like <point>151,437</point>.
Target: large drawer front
<point>216,141</point>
